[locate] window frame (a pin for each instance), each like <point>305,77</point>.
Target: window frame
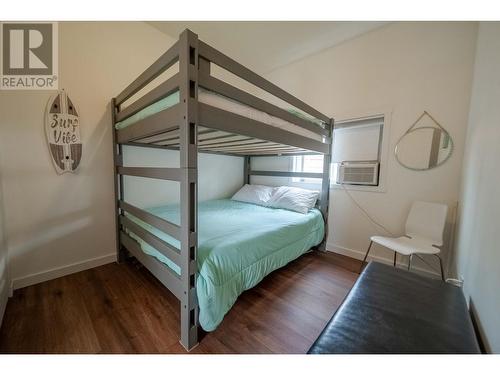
<point>384,148</point>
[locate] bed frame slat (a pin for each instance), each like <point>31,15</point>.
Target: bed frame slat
<point>220,119</point>
<point>250,152</point>
<point>173,148</point>
<point>286,174</point>
<point>165,137</point>
<point>240,144</point>
<point>172,174</point>
<point>228,143</point>
<point>169,134</point>
<point>159,223</point>
<point>163,247</point>
<point>256,148</point>
<point>161,271</point>
<point>298,153</point>
<point>270,153</point>
<point>163,121</point>
<point>217,140</point>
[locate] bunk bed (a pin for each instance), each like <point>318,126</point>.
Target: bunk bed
<point>195,112</point>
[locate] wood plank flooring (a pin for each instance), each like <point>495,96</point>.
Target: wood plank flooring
<point>124,309</point>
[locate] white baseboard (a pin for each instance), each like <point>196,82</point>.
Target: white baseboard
<point>54,273</point>
<point>357,254</point>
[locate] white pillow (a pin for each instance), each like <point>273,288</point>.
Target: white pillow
<point>294,199</point>
<point>256,194</point>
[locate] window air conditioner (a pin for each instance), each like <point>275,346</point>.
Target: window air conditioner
<point>358,173</point>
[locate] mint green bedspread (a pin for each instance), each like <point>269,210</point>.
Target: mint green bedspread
<point>238,245</point>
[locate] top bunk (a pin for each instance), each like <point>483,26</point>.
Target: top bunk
<point>229,120</point>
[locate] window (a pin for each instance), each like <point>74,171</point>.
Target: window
<point>307,163</point>
<point>357,142</point>
<point>358,145</point>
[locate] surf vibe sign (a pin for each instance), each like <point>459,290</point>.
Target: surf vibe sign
<point>62,128</point>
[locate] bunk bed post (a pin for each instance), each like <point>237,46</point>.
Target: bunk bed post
<point>325,184</point>
<point>118,182</point>
<point>188,99</point>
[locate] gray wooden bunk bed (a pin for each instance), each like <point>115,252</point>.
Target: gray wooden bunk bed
<point>192,126</point>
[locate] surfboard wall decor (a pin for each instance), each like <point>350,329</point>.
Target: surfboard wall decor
<point>62,128</point>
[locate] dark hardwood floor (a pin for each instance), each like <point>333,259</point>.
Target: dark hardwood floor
<point>124,309</point>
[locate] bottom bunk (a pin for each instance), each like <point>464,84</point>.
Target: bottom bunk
<point>238,245</point>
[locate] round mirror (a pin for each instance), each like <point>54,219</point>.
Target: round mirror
<point>424,148</point>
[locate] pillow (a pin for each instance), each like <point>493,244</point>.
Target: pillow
<point>294,199</point>
<point>256,194</point>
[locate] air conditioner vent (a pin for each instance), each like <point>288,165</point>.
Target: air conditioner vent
<point>358,173</point>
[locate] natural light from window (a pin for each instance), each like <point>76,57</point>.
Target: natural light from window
<point>308,163</point>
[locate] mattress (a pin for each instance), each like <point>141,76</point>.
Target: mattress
<point>222,102</point>
<point>238,245</point>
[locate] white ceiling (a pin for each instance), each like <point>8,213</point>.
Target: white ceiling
<point>265,46</point>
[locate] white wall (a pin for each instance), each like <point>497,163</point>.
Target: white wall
<point>478,247</point>
<point>61,224</point>
<point>60,221</point>
<point>4,287</point>
<point>218,177</point>
<point>401,69</point>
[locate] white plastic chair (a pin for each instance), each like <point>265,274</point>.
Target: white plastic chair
<point>423,233</point>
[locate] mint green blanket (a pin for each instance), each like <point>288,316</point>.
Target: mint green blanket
<point>238,245</point>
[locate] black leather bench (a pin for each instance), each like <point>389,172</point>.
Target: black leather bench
<point>392,310</point>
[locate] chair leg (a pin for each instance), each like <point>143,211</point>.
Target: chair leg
<point>366,256</point>
<point>409,261</point>
<point>395,254</point>
<point>441,266</point>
